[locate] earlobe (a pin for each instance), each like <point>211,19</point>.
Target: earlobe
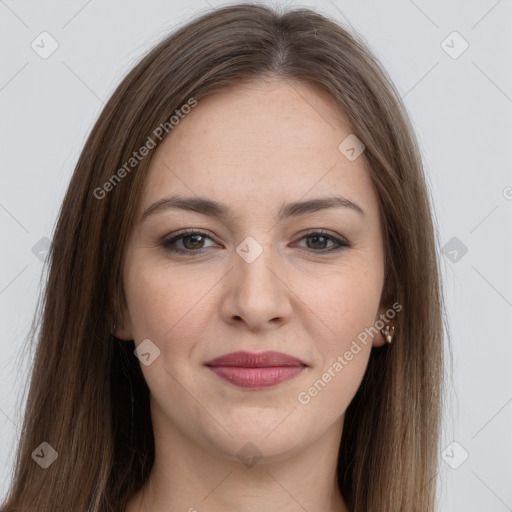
<point>385,336</point>
<point>388,333</point>
<point>120,333</point>
<point>120,323</point>
<point>385,327</point>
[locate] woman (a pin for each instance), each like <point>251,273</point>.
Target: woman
<point>243,309</point>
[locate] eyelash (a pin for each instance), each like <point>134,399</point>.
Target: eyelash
<point>166,244</point>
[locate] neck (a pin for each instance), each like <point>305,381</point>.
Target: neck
<point>187,478</point>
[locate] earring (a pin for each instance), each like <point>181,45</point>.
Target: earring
<point>114,333</point>
<point>387,334</point>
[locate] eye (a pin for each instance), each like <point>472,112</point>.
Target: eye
<point>319,240</point>
<point>193,242</point>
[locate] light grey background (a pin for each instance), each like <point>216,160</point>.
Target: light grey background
<point>461,108</point>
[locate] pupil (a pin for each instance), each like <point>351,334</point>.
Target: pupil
<point>193,243</point>
<point>316,238</point>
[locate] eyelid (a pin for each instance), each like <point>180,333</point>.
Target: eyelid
<point>184,233</point>
<point>340,241</point>
<point>323,232</point>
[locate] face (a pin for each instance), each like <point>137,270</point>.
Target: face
<point>255,275</point>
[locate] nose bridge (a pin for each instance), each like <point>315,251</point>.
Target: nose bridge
<point>253,261</point>
<point>257,293</point>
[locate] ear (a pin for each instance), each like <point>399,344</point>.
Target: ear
<point>386,315</point>
<point>123,326</point>
<point>122,333</point>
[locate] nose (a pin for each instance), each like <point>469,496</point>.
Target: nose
<point>257,294</point>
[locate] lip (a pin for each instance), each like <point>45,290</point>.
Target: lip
<point>250,370</point>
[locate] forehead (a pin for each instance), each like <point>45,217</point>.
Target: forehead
<point>260,143</point>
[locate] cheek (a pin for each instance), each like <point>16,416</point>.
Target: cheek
<point>343,306</point>
<point>161,301</point>
<point>168,308</point>
<point>343,310</point>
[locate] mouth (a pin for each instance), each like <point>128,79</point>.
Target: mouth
<point>248,370</point>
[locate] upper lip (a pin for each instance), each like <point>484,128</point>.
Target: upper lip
<point>251,360</point>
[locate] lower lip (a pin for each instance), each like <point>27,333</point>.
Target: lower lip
<point>256,377</point>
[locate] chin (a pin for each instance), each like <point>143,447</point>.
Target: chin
<point>263,436</point>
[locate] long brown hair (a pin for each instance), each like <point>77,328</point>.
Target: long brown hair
<point>88,399</point>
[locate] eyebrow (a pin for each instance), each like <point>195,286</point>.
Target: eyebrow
<point>221,211</point>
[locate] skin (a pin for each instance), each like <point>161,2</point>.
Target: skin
<point>252,147</point>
